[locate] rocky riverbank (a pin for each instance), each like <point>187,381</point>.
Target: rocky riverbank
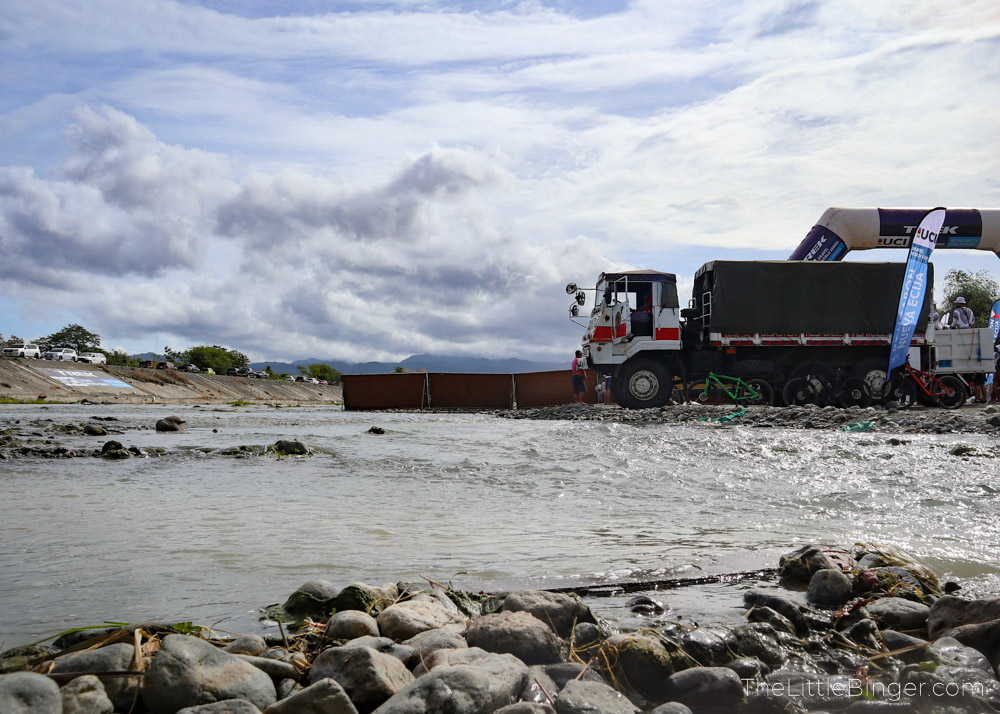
<point>865,630</point>
<point>970,419</point>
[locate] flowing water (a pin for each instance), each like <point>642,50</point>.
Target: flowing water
<point>468,499</point>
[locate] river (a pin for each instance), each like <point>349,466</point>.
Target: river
<point>467,499</point>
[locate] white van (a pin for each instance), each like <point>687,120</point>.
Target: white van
<point>23,350</point>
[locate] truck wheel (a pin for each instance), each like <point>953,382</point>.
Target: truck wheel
<point>762,394</point>
<point>798,392</point>
<point>957,396</point>
<point>642,383</point>
<point>872,372</point>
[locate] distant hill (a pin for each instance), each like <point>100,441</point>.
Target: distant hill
<point>431,363</point>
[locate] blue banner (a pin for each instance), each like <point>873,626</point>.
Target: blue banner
<point>995,320</point>
<point>911,297</point>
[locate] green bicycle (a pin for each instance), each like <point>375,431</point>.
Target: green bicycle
<point>720,386</point>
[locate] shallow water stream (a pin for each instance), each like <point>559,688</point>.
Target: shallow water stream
<point>467,499</point>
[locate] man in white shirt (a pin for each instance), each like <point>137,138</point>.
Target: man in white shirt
<point>961,316</point>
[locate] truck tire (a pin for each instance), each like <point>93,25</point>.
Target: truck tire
<point>901,391</point>
<point>957,396</point>
<point>798,392</point>
<point>642,383</point>
<point>872,372</point>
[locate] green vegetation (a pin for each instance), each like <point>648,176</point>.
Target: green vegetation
<point>979,289</point>
<point>321,371</point>
<point>203,357</point>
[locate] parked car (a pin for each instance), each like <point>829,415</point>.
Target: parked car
<point>323,381</point>
<point>239,372</point>
<point>165,365</point>
<point>261,375</point>
<point>147,364</point>
<point>23,350</point>
<point>209,370</point>
<point>289,378</point>
<point>61,354</point>
<point>192,368</point>
<point>92,358</point>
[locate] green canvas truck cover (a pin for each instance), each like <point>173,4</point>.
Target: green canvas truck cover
<point>804,296</point>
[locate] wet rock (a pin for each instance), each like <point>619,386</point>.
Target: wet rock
<point>507,674</point>
<point>291,448</point>
<point>748,668</point>
<point>368,677</point>
<point>894,641</point>
<point>952,611</point>
<point>94,430</point>
<point>801,564</point>
<point>962,678</point>
<point>526,708</point>
<point>782,605</point>
<point>85,695</point>
<point>711,646</point>
<point>718,688</point>
<point>772,617</point>
<point>247,644</point>
<point>445,690</point>
<point>325,696</point>
<point>408,618</point>
<point>367,598</point>
<point>312,599</point>
<point>983,637</point>
<point>579,697</point>
<point>559,610</point>
<point>760,640</point>
<point>274,668</point>
<point>111,658</point>
<point>829,589</point>
<point>644,663</point>
<point>586,634</point>
<point>671,708</point>
<point>376,430</point>
<point>187,671</point>
<point>865,633</point>
<point>171,423</point>
<point>113,450</point>
<point>896,612</point>
<point>29,693</point>
<point>784,690</point>
<point>645,605</point>
<point>518,633</point>
<point>350,624</point>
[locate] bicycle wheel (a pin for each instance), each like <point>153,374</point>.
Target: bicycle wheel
<point>704,395</point>
<point>901,391</point>
<point>757,392</point>
<point>953,395</point>
<point>854,392</point>
<point>797,392</point>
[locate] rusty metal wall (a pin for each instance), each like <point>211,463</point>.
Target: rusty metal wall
<point>462,391</point>
<point>384,391</point>
<point>545,389</point>
<point>471,391</point>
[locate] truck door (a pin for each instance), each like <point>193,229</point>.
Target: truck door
<point>621,320</point>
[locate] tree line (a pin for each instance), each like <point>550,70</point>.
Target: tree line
<point>215,357</point>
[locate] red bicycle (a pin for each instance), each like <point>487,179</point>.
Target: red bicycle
<point>947,391</point>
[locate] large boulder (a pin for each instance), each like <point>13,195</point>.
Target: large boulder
<point>559,610</point>
<point>950,611</point>
<point>325,696</point>
<point>444,638</point>
<point>701,688</point>
<point>247,645</point>
<point>187,671</point>
<point>518,633</point>
<point>984,637</point>
<point>712,646</point>
<point>112,658</point>
<point>368,677</point>
<point>367,598</point>
<point>829,589</point>
<point>384,645</point>
<point>582,697</point>
<point>644,663</point>
<point>85,695</point>
<point>897,612</point>
<point>351,624</point>
<point>171,423</point>
<point>411,617</point>
<point>445,690</point>
<point>801,564</point>
<point>782,605</point>
<point>227,706</point>
<point>508,675</point>
<point>311,599</point>
<point>29,693</point>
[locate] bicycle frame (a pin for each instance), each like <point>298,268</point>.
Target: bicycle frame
<point>924,380</point>
<point>736,383</point>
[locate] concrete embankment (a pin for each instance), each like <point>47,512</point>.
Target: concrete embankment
<point>31,380</point>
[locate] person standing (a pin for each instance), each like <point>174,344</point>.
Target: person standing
<point>961,317</point>
<point>579,385</point>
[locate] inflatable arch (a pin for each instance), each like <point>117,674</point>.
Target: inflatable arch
<point>840,230</point>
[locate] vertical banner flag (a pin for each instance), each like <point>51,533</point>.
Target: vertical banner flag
<point>995,320</point>
<point>911,297</point>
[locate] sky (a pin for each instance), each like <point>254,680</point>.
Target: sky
<point>374,179</point>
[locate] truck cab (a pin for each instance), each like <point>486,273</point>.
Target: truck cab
<point>634,334</point>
